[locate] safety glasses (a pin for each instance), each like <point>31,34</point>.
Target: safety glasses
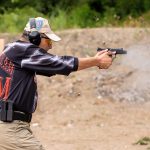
<point>45,37</point>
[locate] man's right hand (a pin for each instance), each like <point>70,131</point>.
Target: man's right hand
<point>104,59</point>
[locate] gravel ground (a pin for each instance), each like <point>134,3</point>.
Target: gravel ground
<point>97,109</point>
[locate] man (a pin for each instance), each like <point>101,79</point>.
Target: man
<point>19,64</point>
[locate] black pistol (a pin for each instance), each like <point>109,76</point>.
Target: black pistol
<point>117,50</point>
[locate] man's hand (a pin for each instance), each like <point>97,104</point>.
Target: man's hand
<point>104,59</point>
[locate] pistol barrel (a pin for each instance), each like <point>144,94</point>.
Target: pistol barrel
<point>117,50</point>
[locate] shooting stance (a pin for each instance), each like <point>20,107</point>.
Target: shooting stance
<point>20,62</point>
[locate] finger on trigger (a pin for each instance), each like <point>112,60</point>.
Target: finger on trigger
<point>103,51</point>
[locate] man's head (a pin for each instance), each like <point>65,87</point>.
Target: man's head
<point>39,33</point>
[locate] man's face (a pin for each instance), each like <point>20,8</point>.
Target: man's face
<point>46,43</point>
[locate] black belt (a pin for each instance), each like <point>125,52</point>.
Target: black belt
<point>8,114</point>
<point>17,115</point>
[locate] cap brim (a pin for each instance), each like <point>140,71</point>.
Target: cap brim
<point>53,37</point>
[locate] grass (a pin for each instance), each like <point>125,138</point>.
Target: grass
<point>143,141</point>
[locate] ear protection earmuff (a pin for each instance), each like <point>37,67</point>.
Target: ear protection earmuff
<point>34,35</point>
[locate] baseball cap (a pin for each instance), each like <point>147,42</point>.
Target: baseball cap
<point>42,26</point>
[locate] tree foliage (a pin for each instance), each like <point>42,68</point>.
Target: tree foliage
<point>72,13</point>
<point>123,7</point>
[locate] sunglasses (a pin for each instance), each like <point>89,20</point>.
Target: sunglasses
<point>45,37</point>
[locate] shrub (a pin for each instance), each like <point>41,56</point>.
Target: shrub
<point>15,21</point>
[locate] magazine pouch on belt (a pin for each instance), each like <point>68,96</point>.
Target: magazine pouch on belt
<point>9,111</point>
<point>6,110</point>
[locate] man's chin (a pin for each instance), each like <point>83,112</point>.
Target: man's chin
<point>50,47</point>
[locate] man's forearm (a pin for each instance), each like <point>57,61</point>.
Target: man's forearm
<point>102,59</point>
<point>87,62</point>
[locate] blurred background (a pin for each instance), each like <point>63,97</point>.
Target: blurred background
<point>64,14</point>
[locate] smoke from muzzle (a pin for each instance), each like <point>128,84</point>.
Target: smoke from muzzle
<point>129,78</point>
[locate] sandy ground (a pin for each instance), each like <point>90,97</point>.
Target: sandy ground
<point>87,110</point>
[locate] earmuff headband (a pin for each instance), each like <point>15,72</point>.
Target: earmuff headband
<point>32,23</point>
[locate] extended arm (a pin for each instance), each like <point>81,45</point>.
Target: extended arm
<point>102,60</point>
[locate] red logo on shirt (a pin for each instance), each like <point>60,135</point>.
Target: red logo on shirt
<point>4,90</point>
<point>5,80</point>
<point>6,64</point>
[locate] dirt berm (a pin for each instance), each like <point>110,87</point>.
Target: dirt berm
<point>97,109</point>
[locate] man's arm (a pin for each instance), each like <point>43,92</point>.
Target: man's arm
<point>102,60</point>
